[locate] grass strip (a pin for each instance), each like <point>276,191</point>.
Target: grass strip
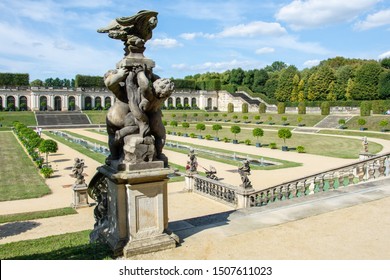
<point>69,246</point>
<point>95,156</point>
<point>14,184</point>
<point>37,215</point>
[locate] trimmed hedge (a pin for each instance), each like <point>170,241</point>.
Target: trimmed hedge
<point>244,107</point>
<point>325,108</point>
<point>365,108</point>
<point>262,108</point>
<point>301,108</point>
<point>281,108</point>
<point>14,79</point>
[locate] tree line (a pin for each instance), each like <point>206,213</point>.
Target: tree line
<point>333,79</point>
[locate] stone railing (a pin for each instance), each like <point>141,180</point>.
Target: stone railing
<point>238,197</point>
<point>358,172</point>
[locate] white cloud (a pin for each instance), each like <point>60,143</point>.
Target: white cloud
<point>316,13</point>
<point>264,50</point>
<point>311,63</point>
<point>380,18</point>
<point>255,28</point>
<point>164,43</point>
<point>384,55</point>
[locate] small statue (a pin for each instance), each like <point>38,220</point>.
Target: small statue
<point>365,144</point>
<point>244,171</point>
<point>192,164</point>
<point>77,171</point>
<point>211,173</point>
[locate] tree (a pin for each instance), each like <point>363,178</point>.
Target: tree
<point>318,85</point>
<point>260,77</point>
<point>48,146</point>
<point>384,85</point>
<point>258,132</point>
<point>284,134</point>
<point>235,129</point>
<point>237,76</point>
<point>295,90</point>
<point>385,62</point>
<point>276,66</point>
<point>200,127</point>
<point>185,125</point>
<point>216,128</point>
<point>173,123</point>
<point>366,81</point>
<point>37,83</point>
<point>286,83</point>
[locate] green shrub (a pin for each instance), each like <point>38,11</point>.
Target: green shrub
<point>325,108</point>
<point>272,145</point>
<point>247,141</point>
<point>262,108</point>
<point>365,108</point>
<point>208,137</point>
<point>300,149</point>
<point>47,172</point>
<point>361,122</point>
<point>179,134</point>
<point>244,108</point>
<point>301,108</point>
<point>378,106</point>
<point>284,133</point>
<point>230,108</point>
<point>281,108</point>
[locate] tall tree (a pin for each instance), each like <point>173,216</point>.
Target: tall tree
<point>260,77</point>
<point>237,76</point>
<point>384,85</point>
<point>295,89</point>
<point>276,66</point>
<point>285,84</point>
<point>366,81</point>
<point>319,83</point>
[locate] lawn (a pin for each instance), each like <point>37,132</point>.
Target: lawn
<point>37,215</point>
<point>70,246</point>
<point>331,146</point>
<point>19,177</point>
<point>7,118</point>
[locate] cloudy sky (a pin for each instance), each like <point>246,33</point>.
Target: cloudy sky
<point>48,38</point>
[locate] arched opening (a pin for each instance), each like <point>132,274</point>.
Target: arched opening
<point>57,103</point>
<point>170,103</point>
<point>98,103</point>
<point>193,102</point>
<point>10,103</point>
<point>23,103</point>
<point>107,102</point>
<point>42,103</point>
<point>72,103</point>
<point>209,103</point>
<point>1,104</point>
<point>186,105</point>
<point>88,103</point>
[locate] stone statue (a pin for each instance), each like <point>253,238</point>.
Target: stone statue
<point>244,171</point>
<point>77,171</point>
<point>192,164</point>
<point>134,31</point>
<point>134,125</point>
<point>365,144</point>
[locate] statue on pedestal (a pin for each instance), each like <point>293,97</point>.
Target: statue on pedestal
<point>244,171</point>
<point>130,189</point>
<point>77,171</point>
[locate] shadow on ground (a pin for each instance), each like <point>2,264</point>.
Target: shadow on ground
<point>16,228</point>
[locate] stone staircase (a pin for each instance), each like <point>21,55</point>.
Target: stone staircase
<point>332,121</point>
<point>72,119</point>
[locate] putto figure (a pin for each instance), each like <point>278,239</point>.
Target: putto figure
<point>134,125</point>
<point>245,171</point>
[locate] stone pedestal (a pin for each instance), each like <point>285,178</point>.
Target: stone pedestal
<point>138,209</point>
<point>365,155</point>
<point>80,196</point>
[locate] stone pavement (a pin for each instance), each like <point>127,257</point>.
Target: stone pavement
<point>350,224</point>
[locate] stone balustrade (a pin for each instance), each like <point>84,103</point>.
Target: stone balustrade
<point>238,197</point>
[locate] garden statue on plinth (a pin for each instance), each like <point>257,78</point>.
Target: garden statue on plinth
<point>244,171</point>
<point>192,163</point>
<point>131,188</point>
<point>80,195</point>
<point>364,154</point>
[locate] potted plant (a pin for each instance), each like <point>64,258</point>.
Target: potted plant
<point>48,146</point>
<point>300,119</point>
<point>185,125</point>
<point>361,123</point>
<point>235,117</point>
<point>173,124</point>
<point>284,120</point>
<point>235,129</point>
<point>342,123</point>
<point>258,132</point>
<point>257,118</point>
<point>245,118</point>
<point>216,128</point>
<point>200,127</point>
<point>284,134</point>
<point>270,120</point>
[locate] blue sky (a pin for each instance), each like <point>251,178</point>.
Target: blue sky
<point>48,38</point>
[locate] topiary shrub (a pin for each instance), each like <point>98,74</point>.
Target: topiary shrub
<point>301,108</point>
<point>281,108</point>
<point>230,108</point>
<point>365,108</point>
<point>325,108</point>
<point>47,172</point>
<point>262,108</point>
<point>247,141</point>
<point>244,107</point>
<point>300,149</point>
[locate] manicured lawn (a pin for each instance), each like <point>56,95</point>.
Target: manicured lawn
<point>37,215</point>
<point>70,246</point>
<point>7,118</point>
<point>96,117</point>
<point>331,146</point>
<point>19,178</point>
<point>372,123</point>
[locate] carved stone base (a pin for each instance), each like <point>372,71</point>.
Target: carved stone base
<point>80,196</point>
<point>137,219</point>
